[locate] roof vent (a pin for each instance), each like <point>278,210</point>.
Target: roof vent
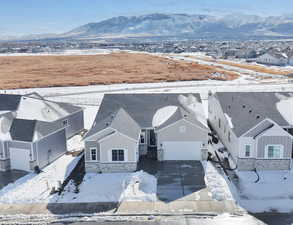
<point>250,111</point>
<point>257,117</point>
<point>229,106</point>
<point>243,106</point>
<point>107,124</point>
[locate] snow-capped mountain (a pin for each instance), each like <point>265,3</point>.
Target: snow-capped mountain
<point>184,24</point>
<point>235,26</point>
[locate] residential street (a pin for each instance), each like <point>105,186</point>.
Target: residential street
<point>269,219</point>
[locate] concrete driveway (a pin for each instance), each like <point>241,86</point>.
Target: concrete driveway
<point>177,180</point>
<point>10,176</point>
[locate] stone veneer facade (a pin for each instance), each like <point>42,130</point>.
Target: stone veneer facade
<point>96,167</point>
<point>263,164</point>
<point>4,164</point>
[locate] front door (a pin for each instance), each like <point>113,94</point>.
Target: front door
<point>152,145</point>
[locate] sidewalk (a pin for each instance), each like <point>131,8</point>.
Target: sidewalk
<point>125,208</point>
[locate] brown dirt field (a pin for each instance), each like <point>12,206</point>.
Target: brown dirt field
<point>256,68</point>
<point>49,71</point>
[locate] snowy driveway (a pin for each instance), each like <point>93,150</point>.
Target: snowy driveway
<point>10,176</point>
<point>177,180</point>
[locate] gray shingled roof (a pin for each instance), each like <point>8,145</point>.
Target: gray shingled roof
<point>141,107</point>
<point>120,121</point>
<point>9,102</point>
<point>179,114</point>
<point>247,109</point>
<point>22,130</point>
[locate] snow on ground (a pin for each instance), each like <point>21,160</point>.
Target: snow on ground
<point>34,188</point>
<point>66,52</point>
<point>75,144</point>
<point>224,66</point>
<point>273,191</point>
<point>227,219</point>
<point>217,183</point>
<point>112,187</point>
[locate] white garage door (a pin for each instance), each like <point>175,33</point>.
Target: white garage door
<point>19,159</point>
<point>182,150</point>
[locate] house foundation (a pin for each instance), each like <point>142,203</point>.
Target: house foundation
<point>94,167</point>
<point>4,164</point>
<point>263,164</point>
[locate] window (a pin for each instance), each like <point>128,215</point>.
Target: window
<point>219,123</point>
<point>117,155</point>
<point>247,150</point>
<point>94,154</point>
<point>182,129</point>
<point>142,137</point>
<point>274,151</point>
<point>65,123</point>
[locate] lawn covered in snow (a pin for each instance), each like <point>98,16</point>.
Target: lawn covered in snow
<point>112,187</point>
<point>273,192</point>
<point>34,188</point>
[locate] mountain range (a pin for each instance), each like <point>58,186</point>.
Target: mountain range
<point>234,25</point>
<point>184,25</point>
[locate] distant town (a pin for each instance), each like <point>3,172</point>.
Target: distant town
<point>271,52</point>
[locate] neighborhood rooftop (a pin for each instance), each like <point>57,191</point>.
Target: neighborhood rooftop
<point>247,109</point>
<point>33,106</point>
<point>141,107</point>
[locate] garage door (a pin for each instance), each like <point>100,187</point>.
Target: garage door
<point>182,150</point>
<point>19,159</point>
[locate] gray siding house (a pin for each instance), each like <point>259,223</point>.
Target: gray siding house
<point>159,126</point>
<point>34,131</point>
<point>273,57</point>
<point>256,128</point>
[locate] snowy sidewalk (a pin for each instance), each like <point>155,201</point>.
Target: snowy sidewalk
<point>126,208</point>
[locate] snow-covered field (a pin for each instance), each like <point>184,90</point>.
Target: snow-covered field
<point>273,192</point>
<point>34,188</point>
<point>66,52</point>
<point>117,187</point>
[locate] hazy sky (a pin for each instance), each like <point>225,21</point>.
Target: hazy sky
<point>56,16</point>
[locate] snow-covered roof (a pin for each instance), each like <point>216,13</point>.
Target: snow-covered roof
<point>29,117</point>
<point>43,110</point>
<point>163,114</point>
<point>148,109</point>
<point>244,110</point>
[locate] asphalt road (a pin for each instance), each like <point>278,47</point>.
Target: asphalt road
<point>259,219</point>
